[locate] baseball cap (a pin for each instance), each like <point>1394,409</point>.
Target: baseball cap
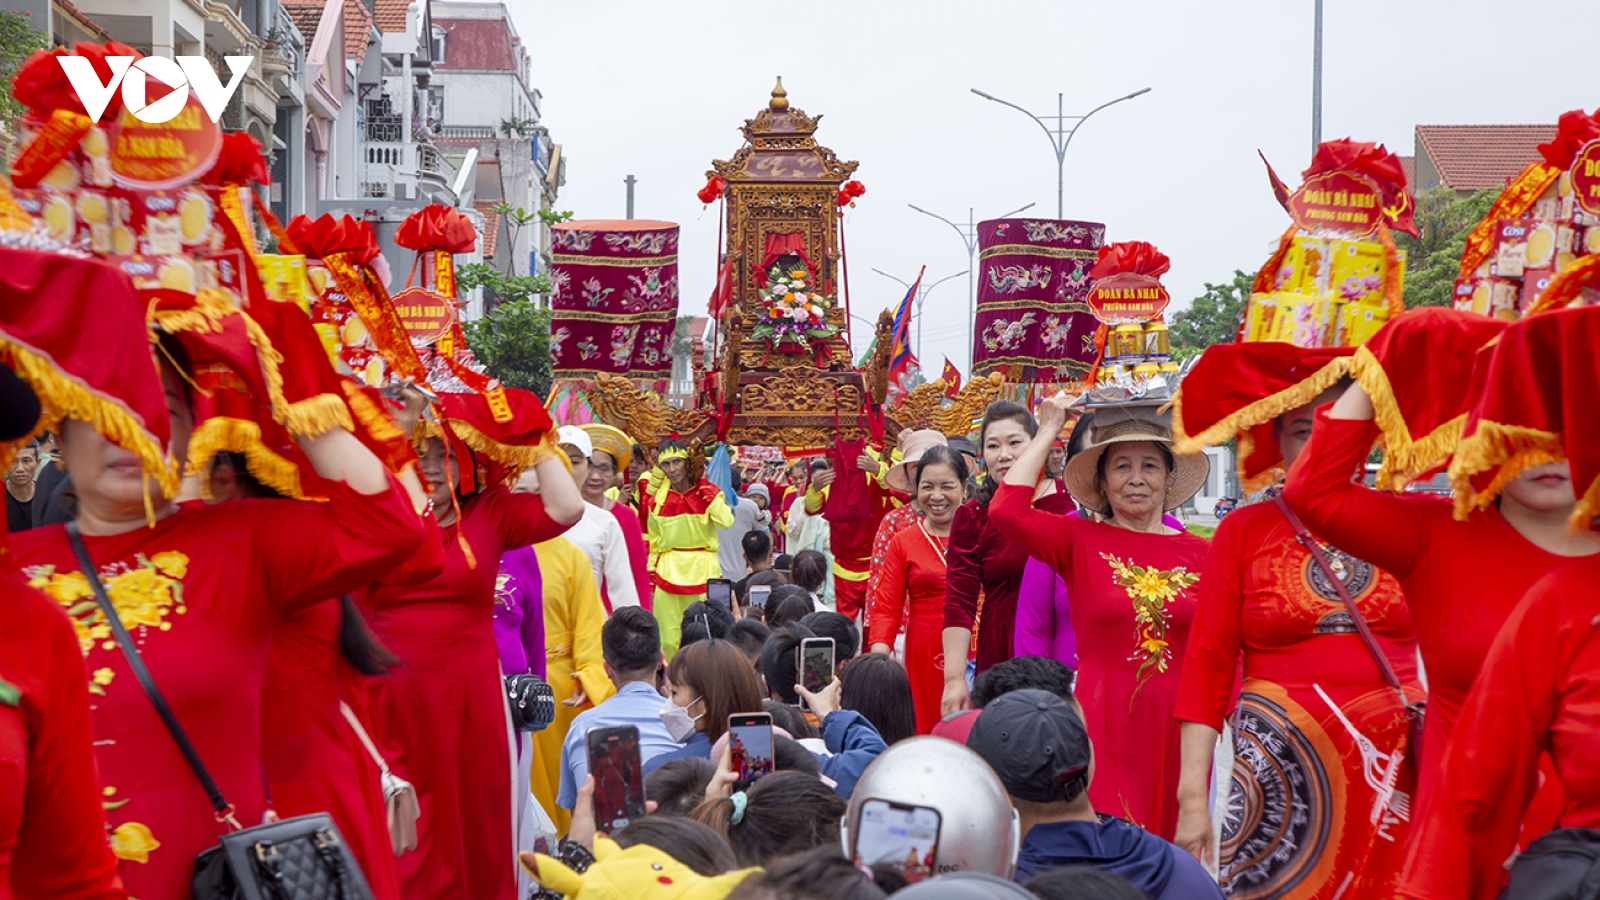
<point>573,436</point>
<point>956,726</point>
<point>1034,741</point>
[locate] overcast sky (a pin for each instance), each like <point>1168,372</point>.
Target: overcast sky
<point>659,89</point>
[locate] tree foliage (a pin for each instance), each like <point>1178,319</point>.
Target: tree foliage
<point>1434,260</point>
<point>513,342</point>
<point>1212,318</point>
<point>17,41</point>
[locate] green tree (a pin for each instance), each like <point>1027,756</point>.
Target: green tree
<point>17,40</point>
<point>513,343</point>
<point>1434,260</point>
<point>1212,318</point>
<point>512,339</point>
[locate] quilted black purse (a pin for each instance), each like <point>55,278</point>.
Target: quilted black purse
<point>303,858</point>
<point>533,702</point>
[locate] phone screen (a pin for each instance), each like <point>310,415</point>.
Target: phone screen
<point>816,663</point>
<point>758,594</point>
<point>903,836</point>
<point>720,590</point>
<point>618,783</point>
<point>750,747</point>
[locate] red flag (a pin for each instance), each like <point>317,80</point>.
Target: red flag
<point>1280,191</point>
<point>723,292</point>
<point>952,378</point>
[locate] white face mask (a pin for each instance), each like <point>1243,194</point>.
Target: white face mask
<point>680,725</point>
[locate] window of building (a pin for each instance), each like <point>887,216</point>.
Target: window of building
<point>439,35</point>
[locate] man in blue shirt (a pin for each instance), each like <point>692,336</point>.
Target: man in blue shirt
<point>630,644</point>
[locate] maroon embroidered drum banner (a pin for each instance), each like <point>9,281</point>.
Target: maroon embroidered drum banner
<point>615,303</point>
<point>1033,324</point>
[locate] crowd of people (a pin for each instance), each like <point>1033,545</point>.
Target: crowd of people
<point>1064,728</point>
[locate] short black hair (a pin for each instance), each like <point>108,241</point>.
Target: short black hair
<point>1024,672</point>
<point>823,872</point>
<point>780,661</point>
<point>878,688</point>
<point>749,635</point>
<point>757,545</point>
<point>631,641</point>
<point>790,719</point>
<point>787,605</point>
<point>939,456</point>
<point>809,569</point>
<point>827,623</point>
<point>820,465</point>
<point>788,755</point>
<point>702,620</point>
<point>679,785</point>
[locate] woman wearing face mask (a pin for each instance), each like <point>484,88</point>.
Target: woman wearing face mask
<point>982,562</point>
<point>443,631</point>
<point>1461,578</point>
<point>914,569</point>
<point>1133,583</point>
<point>707,682</point>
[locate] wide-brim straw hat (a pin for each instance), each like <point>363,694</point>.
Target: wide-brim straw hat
<point>1123,425</point>
<point>912,448</point>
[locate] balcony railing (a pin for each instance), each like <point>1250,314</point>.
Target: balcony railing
<point>431,161</point>
<point>388,128</point>
<point>467,132</point>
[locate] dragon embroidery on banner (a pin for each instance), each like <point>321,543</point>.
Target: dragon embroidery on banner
<point>1011,279</point>
<point>1054,231</point>
<point>1004,334</point>
<point>1074,283</point>
<point>572,239</point>
<point>649,242</point>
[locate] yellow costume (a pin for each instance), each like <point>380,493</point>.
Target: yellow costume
<point>572,620</point>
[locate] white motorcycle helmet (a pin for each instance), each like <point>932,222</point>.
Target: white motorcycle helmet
<point>979,831</point>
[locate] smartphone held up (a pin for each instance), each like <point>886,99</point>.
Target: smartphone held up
<point>900,835</point>
<point>618,780</point>
<point>750,747</point>
<point>816,664</point>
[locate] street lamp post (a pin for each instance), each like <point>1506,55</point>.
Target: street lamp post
<point>921,298</point>
<point>969,237</point>
<point>1060,138</point>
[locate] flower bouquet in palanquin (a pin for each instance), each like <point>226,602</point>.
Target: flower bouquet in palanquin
<point>1335,278</point>
<point>793,311</point>
<point>1538,247</point>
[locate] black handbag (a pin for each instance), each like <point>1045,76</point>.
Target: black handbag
<point>303,858</point>
<point>1562,865</point>
<point>533,702</point>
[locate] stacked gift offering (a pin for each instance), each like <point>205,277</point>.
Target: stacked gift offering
<point>1544,222</point>
<point>1336,276</point>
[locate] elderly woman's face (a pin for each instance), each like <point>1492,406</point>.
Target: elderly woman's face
<point>1135,479</point>
<point>1546,488</point>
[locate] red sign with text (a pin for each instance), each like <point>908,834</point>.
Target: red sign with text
<point>1586,178</point>
<point>427,316</point>
<point>1337,201</point>
<point>1126,298</point>
<point>165,154</point>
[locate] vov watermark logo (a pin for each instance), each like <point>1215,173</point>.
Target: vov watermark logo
<point>185,74</point>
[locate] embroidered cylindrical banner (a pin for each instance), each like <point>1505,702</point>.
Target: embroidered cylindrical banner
<point>1033,277</point>
<point>616,298</point>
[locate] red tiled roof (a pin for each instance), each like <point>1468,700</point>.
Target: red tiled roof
<point>491,225</point>
<point>357,27</point>
<point>78,16</point>
<point>306,15</point>
<point>1475,157</point>
<point>1408,165</point>
<point>390,15</point>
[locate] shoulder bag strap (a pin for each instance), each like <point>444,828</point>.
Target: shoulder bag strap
<point>1311,545</point>
<point>136,663</point>
<point>355,724</point>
